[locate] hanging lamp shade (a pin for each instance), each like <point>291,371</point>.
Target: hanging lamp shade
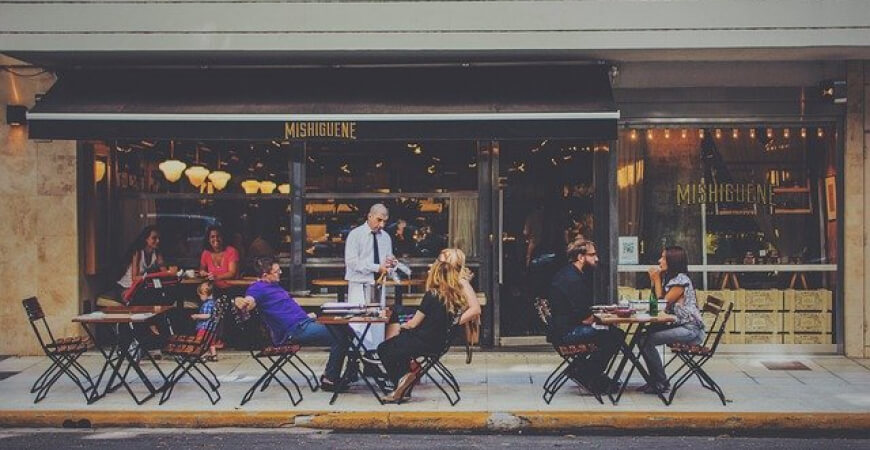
<point>219,179</point>
<point>267,187</point>
<point>99,170</point>
<point>284,188</point>
<point>251,186</point>
<point>196,175</point>
<point>172,169</point>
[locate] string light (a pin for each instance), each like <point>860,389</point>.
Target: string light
<point>684,133</point>
<point>786,133</point>
<point>735,133</point>
<point>820,133</point>
<point>752,133</point>
<point>770,133</point>
<point>633,135</point>
<point>667,133</point>
<point>803,133</point>
<point>649,134</point>
<point>718,133</point>
<point>701,133</point>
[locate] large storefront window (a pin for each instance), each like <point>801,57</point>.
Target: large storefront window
<point>754,207</point>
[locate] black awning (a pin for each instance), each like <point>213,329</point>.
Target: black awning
<point>488,102</point>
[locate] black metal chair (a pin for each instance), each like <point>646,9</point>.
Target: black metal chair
<point>432,361</point>
<point>694,357</point>
<point>63,353</point>
<point>573,357</point>
<point>188,352</point>
<point>711,313</point>
<point>272,358</point>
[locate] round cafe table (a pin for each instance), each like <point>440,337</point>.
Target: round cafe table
<point>340,286</point>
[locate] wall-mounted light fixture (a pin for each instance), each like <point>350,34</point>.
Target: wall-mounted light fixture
<point>16,115</point>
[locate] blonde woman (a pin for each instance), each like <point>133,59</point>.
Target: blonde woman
<point>427,330</point>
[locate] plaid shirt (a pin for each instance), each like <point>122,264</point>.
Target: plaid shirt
<point>207,307</point>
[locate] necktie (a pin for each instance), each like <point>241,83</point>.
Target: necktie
<point>375,241</point>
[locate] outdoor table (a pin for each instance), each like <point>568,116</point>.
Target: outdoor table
<point>631,351</point>
<point>235,282</point>
<point>341,286</point>
<point>355,350</point>
<point>119,354</point>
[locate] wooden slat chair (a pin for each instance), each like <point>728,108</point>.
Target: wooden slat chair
<point>272,358</point>
<point>710,312</point>
<point>694,356</point>
<point>573,356</point>
<point>63,352</point>
<point>188,352</point>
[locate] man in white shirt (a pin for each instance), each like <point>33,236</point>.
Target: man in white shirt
<point>368,252</point>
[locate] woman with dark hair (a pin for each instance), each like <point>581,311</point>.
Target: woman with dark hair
<point>142,257</point>
<point>670,281</point>
<point>218,261</point>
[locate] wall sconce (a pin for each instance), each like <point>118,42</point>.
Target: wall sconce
<point>284,188</point>
<point>267,187</point>
<point>16,115</point>
<point>251,186</point>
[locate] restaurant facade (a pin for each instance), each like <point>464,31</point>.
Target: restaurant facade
<point>753,164</point>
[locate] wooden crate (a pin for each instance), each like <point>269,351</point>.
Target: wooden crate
<point>808,338</point>
<point>752,338</point>
<point>807,322</point>
<point>708,321</point>
<point>758,322</point>
<point>812,300</point>
<point>733,296</point>
<point>627,293</point>
<point>762,300</point>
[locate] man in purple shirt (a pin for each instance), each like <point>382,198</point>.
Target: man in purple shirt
<point>287,321</point>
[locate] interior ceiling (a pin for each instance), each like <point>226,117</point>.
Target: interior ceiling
<point>314,58</point>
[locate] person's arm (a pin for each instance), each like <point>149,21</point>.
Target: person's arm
<point>246,303</point>
<point>675,293</point>
<point>353,259</point>
<point>203,264</point>
<point>200,316</point>
<point>135,274</point>
<point>473,309</point>
<point>161,263</point>
<point>415,321</point>
<point>655,278</point>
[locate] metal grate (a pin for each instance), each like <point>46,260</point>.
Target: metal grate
<point>785,365</point>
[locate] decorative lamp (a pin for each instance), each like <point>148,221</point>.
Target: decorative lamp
<point>99,170</point>
<point>219,179</point>
<point>172,168</point>
<point>196,175</point>
<point>251,186</point>
<point>267,187</point>
<point>284,188</point>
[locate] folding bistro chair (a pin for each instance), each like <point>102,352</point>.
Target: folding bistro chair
<point>432,361</point>
<point>63,353</point>
<point>272,358</point>
<point>711,313</point>
<point>695,356</point>
<point>188,352</point>
<point>573,356</point>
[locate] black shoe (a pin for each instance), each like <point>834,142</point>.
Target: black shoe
<point>331,386</point>
<point>656,389</point>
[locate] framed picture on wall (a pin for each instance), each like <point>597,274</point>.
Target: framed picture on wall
<point>831,197</point>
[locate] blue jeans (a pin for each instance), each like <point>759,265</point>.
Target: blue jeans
<point>684,334</point>
<point>309,332</point>
<point>608,342</point>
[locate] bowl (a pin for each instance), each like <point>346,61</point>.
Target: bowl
<point>624,312</point>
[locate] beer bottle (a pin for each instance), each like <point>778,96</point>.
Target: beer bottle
<point>653,302</point>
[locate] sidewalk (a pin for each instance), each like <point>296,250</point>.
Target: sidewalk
<point>500,392</point>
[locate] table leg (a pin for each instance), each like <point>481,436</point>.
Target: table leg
<point>356,348</point>
<point>629,354</point>
<point>398,295</point>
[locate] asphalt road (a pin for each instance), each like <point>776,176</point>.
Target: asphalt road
<point>130,439</point>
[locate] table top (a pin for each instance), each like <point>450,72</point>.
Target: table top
<point>340,282</point>
<point>613,319</point>
<point>130,314</point>
<point>244,281</point>
<point>343,320</point>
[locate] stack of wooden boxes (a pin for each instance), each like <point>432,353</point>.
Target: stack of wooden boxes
<point>772,316</point>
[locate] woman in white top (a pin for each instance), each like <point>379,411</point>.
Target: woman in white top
<point>670,281</point>
<point>144,257</point>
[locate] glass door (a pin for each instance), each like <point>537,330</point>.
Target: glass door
<point>545,198</point>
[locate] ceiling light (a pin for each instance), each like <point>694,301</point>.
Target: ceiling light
<point>172,168</point>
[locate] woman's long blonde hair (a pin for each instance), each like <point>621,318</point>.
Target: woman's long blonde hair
<point>443,281</point>
<point>456,258</point>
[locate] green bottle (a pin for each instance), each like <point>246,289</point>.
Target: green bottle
<point>653,303</point>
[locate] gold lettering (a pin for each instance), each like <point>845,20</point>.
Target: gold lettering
<point>302,130</point>
<point>750,193</point>
<point>741,193</point>
<point>683,194</point>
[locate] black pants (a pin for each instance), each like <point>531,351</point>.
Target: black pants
<point>396,354</point>
<point>607,341</point>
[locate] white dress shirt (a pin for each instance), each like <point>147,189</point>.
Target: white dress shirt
<point>359,254</point>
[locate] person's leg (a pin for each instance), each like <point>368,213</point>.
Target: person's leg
<point>396,354</point>
<point>313,333</point>
<point>608,342</point>
<point>399,315</point>
<point>662,336</point>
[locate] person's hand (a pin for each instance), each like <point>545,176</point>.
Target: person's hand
<point>655,273</point>
<point>385,313</point>
<point>312,315</point>
<point>210,276</point>
<point>384,267</point>
<point>241,303</point>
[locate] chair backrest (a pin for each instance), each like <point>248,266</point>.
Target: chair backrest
<point>220,309</point>
<point>255,336</point>
<point>542,306</point>
<point>721,331</point>
<point>36,314</point>
<point>712,307</point>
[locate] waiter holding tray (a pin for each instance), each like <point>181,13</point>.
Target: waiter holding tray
<point>367,255</point>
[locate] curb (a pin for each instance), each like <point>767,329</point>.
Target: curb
<point>471,421</point>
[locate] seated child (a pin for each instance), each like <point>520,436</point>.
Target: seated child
<point>203,318</point>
